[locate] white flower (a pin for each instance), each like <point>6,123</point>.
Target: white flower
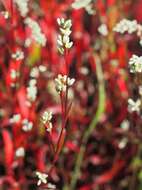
<point>63,40</point>
<point>123,142</point>
<point>27,125</point>
<point>62,81</point>
<point>28,42</point>
<point>32,90</point>
<point>32,93</point>
<point>20,152</point>
<point>126,25</point>
<point>46,119</point>
<point>34,72</point>
<point>37,34</point>
<point>15,118</point>
<point>42,178</point>
<point>78,4</point>
<point>89,9</point>
<point>18,55</point>
<point>22,6</point>
<point>14,74</point>
<point>134,106</point>
<point>135,64</point>
<point>5,14</point>
<point>125,125</point>
<point>51,186</point>
<point>102,29</point>
<point>42,68</point>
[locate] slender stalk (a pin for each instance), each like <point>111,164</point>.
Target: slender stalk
<point>65,111</point>
<point>88,132</point>
<point>67,70</point>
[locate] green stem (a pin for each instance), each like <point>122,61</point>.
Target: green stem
<point>92,126</point>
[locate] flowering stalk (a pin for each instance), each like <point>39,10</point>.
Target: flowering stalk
<point>62,83</point>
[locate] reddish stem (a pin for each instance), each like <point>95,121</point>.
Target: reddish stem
<point>65,112</point>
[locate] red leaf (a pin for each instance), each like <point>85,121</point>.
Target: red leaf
<point>72,146</point>
<point>8,148</point>
<point>110,174</point>
<point>21,95</point>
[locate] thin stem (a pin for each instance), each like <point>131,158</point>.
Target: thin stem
<point>52,147</point>
<point>65,111</point>
<point>67,70</point>
<point>62,104</point>
<point>88,132</point>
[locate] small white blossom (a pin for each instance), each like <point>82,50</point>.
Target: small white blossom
<point>37,34</point>
<point>15,118</point>
<point>32,90</point>
<point>42,178</point>
<point>34,72</point>
<point>27,125</point>
<point>63,40</point>
<point>5,14</point>
<point>123,142</point>
<point>125,125</point>
<point>20,152</point>
<point>126,25</point>
<point>42,68</point>
<point>22,6</point>
<point>51,186</point>
<point>78,4</point>
<point>28,42</point>
<point>103,29</point>
<point>18,55</point>
<point>62,81</point>
<point>135,64</point>
<point>46,119</point>
<point>134,106</point>
<point>89,9</point>
<point>14,74</point>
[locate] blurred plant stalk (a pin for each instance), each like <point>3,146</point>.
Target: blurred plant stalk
<point>97,116</point>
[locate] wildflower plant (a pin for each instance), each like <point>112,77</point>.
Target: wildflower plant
<point>70,94</point>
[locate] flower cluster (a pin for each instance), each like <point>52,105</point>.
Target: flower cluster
<point>64,39</point>
<point>35,71</point>
<point>27,125</point>
<point>37,34</point>
<point>126,25</point>
<point>129,26</point>
<point>134,106</point>
<point>78,4</point>
<point>42,178</point>
<point>22,6</point>
<point>46,119</point>
<point>135,64</point>
<point>62,81</point>
<point>15,118</point>
<point>18,55</point>
<point>32,90</point>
